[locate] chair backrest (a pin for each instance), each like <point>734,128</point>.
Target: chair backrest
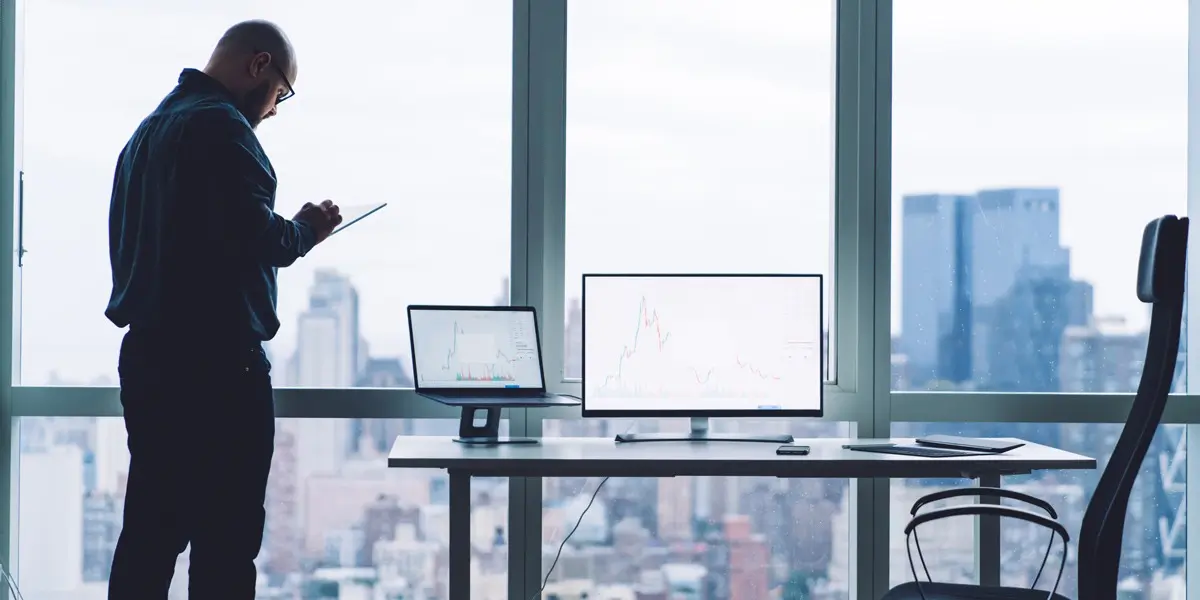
<point>1161,276</point>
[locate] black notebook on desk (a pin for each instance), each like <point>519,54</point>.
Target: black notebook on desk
<point>983,445</point>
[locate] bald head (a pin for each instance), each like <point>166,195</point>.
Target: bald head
<point>256,61</point>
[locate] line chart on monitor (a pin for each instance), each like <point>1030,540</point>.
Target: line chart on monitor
<point>680,344</point>
<point>469,349</point>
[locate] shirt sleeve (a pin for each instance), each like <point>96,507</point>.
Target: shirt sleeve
<point>243,187</point>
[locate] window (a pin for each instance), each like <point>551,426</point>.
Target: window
<point>332,505</point>
<point>1030,147</point>
<point>411,106</point>
<point>1152,563</point>
<point>710,537</point>
<point>699,140</point>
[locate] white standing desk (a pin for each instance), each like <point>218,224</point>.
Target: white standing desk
<point>603,457</point>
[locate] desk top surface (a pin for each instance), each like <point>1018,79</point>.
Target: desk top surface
<point>598,457</point>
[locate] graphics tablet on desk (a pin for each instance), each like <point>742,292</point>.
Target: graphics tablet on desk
<point>954,442</point>
<point>917,451</point>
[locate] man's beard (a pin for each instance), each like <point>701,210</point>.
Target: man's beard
<point>252,103</point>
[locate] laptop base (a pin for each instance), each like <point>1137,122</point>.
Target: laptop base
<point>494,441</point>
<point>487,434</point>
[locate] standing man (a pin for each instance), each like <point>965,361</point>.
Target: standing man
<point>195,243</point>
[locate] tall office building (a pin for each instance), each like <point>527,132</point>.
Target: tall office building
<point>749,559</point>
<point>281,536</point>
<point>102,517</point>
<point>1020,290</point>
<point>1014,229</point>
<point>986,289</point>
<point>505,295</point>
<point>112,455</point>
<point>328,355</point>
<point>936,286</point>
<point>674,507</point>
<point>328,340</point>
<point>51,500</point>
<point>573,345</point>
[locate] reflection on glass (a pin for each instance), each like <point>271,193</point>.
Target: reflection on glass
<point>1154,544</point>
<point>1015,233</point>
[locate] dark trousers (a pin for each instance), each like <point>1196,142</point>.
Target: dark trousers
<point>201,425</point>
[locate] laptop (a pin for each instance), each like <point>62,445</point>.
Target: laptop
<point>485,356</point>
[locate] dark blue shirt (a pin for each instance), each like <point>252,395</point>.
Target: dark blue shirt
<point>194,240</point>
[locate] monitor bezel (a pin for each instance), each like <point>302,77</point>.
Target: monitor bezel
<point>764,414</point>
<point>475,391</point>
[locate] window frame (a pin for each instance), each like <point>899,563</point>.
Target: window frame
<point>861,307</point>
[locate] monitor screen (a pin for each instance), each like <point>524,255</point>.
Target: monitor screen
<point>702,343</point>
<point>475,348</point>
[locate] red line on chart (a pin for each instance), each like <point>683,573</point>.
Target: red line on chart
<point>645,320</point>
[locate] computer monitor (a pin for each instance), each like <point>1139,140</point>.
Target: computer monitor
<point>701,346</point>
<point>475,348</point>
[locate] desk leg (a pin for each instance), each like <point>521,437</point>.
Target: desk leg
<point>460,536</point>
<point>987,538</point>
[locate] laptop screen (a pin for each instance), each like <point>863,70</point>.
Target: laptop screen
<point>475,348</point>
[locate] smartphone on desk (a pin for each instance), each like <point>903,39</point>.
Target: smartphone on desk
<point>792,450</point>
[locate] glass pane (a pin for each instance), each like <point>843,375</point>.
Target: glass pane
<point>1030,148</point>
<point>699,140</point>
<point>696,537</point>
<point>427,130</point>
<point>340,524</point>
<point>1154,543</point>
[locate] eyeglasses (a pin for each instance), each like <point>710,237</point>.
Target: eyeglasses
<point>290,92</point>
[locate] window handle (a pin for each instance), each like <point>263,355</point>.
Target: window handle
<point>20,218</point>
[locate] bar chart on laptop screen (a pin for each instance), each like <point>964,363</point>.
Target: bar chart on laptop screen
<point>465,348</point>
<point>697,343</point>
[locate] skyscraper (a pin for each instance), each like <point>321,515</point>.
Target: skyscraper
<point>1020,291</point>
<point>936,287</point>
<point>328,340</point>
<point>329,354</point>
<point>986,289</point>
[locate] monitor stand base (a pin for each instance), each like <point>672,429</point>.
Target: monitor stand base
<point>700,433</point>
<point>487,434</point>
<point>494,441</point>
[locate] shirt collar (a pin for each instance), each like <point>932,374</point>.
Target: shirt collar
<point>197,80</point>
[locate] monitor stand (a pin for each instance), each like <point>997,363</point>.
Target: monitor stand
<point>487,434</point>
<point>700,433</point>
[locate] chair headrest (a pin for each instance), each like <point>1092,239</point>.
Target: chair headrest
<point>1161,266</point>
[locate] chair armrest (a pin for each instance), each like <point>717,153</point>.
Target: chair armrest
<point>994,510</point>
<point>983,491</point>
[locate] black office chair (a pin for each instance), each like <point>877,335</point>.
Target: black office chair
<point>1161,272</point>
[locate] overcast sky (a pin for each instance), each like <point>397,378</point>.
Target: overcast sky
<point>699,138</point>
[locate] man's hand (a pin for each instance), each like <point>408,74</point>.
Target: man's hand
<point>323,218</point>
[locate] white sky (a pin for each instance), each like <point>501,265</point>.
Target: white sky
<point>699,138</point>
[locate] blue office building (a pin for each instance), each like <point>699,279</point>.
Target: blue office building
<point>986,288</point>
<point>936,287</point>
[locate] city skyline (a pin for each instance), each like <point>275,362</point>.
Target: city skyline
<point>401,514</point>
<point>698,139</point>
<point>735,165</point>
